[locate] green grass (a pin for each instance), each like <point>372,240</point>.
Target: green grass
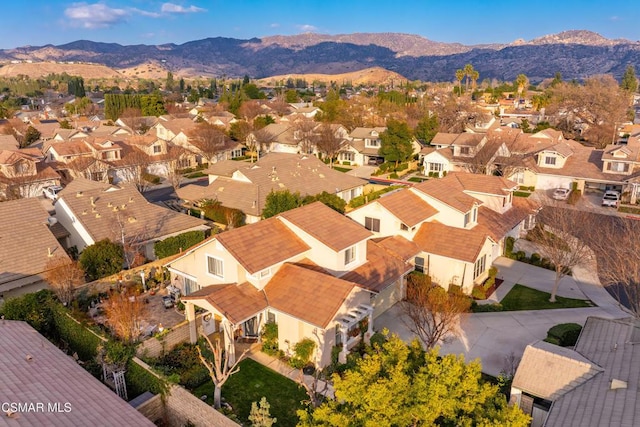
<point>629,209</point>
<point>524,298</point>
<point>416,179</point>
<point>250,384</point>
<point>339,169</point>
<point>196,175</point>
<point>521,194</point>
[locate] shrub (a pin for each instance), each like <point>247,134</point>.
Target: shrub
<point>478,293</point>
<point>173,245</point>
<point>394,176</point>
<point>520,255</point>
<point>149,177</point>
<point>488,284</point>
<point>402,166</point>
<point>377,339</point>
<point>346,163</point>
<point>493,272</point>
<point>535,258</point>
<point>486,308</point>
<point>565,333</point>
<point>214,211</point>
<point>270,338</point>
<point>102,259</point>
<point>139,380</point>
<point>574,196</point>
<point>508,246</point>
<point>302,352</point>
<point>33,308</point>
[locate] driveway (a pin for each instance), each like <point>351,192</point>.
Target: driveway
<point>494,337</point>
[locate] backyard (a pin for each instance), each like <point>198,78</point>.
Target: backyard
<point>250,384</point>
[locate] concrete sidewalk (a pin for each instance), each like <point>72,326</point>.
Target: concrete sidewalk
<point>493,337</point>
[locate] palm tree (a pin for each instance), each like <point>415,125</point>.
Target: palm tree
<point>521,83</point>
<point>459,77</point>
<point>468,69</point>
<point>475,75</point>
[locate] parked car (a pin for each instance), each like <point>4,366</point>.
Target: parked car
<point>561,193</point>
<point>167,301</point>
<point>611,199</point>
<point>51,192</point>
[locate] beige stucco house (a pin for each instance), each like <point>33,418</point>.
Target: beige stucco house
<point>313,271</point>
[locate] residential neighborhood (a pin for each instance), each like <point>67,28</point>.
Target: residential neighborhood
<point>232,250</point>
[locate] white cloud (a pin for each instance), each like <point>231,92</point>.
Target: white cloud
<point>93,16</point>
<point>274,25</point>
<point>175,8</point>
<point>615,18</point>
<point>307,28</point>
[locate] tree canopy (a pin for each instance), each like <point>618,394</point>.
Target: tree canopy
<point>102,259</point>
<point>400,385</point>
<point>629,80</point>
<point>396,142</point>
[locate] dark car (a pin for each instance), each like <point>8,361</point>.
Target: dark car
<point>167,301</point>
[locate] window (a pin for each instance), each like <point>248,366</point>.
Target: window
<point>190,286</point>
<point>372,224</point>
<point>349,255</point>
<point>215,266</point>
<point>157,149</point>
<point>338,336</point>
<point>479,266</point>
<point>265,273</point>
<point>465,151</point>
<point>518,177</point>
<point>271,317</point>
<point>618,167</point>
<point>372,143</point>
<point>475,214</point>
<point>184,163</point>
<point>467,217</point>
<point>347,156</point>
<point>548,160</point>
<point>420,264</point>
<point>404,227</point>
<point>435,167</point>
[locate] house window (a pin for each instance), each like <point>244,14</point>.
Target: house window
<point>375,143</point>
<point>467,217</point>
<point>190,286</point>
<point>479,266</point>
<point>617,167</point>
<point>475,214</point>
<point>404,227</point>
<point>338,336</point>
<point>184,163</point>
<point>347,156</point>
<point>435,167</point>
<point>551,161</point>
<point>372,224</point>
<point>264,273</point>
<point>518,177</point>
<point>157,149</point>
<point>349,255</point>
<point>465,151</point>
<point>271,317</point>
<point>420,264</point>
<point>215,266</point>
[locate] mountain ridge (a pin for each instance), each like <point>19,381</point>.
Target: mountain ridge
<point>574,53</point>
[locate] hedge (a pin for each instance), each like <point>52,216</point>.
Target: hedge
<point>139,380</point>
<point>214,211</point>
<point>80,339</point>
<point>565,334</point>
<point>366,198</point>
<point>173,245</point>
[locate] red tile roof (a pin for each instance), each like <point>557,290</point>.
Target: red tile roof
<point>451,242</point>
<point>235,302</point>
<point>382,269</point>
<point>407,206</point>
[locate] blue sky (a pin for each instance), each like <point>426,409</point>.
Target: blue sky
<point>39,22</point>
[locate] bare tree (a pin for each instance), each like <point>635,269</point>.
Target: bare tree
<point>328,142</point>
<point>617,248</point>
<point>63,276</point>
<point>131,236</point>
<point>132,117</point>
<point>279,106</point>
<point>219,368</point>
<point>136,164</point>
<point>557,234</point>
<point>124,312</point>
<point>430,311</point>
<point>250,109</point>
<point>175,156</point>
<point>210,140</point>
<point>304,132</point>
<point>260,140</point>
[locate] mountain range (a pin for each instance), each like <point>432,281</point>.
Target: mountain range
<point>575,54</point>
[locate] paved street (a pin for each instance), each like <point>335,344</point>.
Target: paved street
<point>492,337</point>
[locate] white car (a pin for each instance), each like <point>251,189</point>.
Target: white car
<point>561,193</point>
<point>51,192</point>
<point>611,199</point>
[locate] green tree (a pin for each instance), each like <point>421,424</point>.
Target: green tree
<point>521,83</point>
<point>260,415</point>
<point>402,385</point>
<point>332,200</point>
<point>291,96</point>
<point>427,128</point>
<point>152,105</point>
<point>31,135</point>
<point>629,80</point>
<point>396,142</point>
<point>557,79</point>
<point>280,201</point>
<point>262,121</point>
<point>64,124</point>
<point>169,83</point>
<point>253,92</point>
<point>102,259</point>
<point>468,73</point>
<point>459,78</point>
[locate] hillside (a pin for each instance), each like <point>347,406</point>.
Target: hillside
<point>374,76</point>
<point>41,69</point>
<point>575,54</point>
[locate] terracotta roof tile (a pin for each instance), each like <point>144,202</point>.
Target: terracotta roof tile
<point>448,191</point>
<point>263,244</point>
<point>450,242</point>
<point>398,245</point>
<point>235,302</point>
<point>326,225</point>
<point>407,206</point>
<point>382,269</point>
<point>307,294</point>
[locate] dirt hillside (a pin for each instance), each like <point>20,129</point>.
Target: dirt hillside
<point>41,69</point>
<point>374,76</point>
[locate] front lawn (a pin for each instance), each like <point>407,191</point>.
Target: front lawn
<point>250,384</point>
<point>523,298</point>
<point>339,169</point>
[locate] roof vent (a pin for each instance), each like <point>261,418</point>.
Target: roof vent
<point>52,220</point>
<point>123,206</point>
<point>97,215</point>
<point>132,219</point>
<point>110,205</point>
<point>93,202</point>
<point>79,194</point>
<point>618,384</point>
<point>130,199</point>
<point>84,212</point>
